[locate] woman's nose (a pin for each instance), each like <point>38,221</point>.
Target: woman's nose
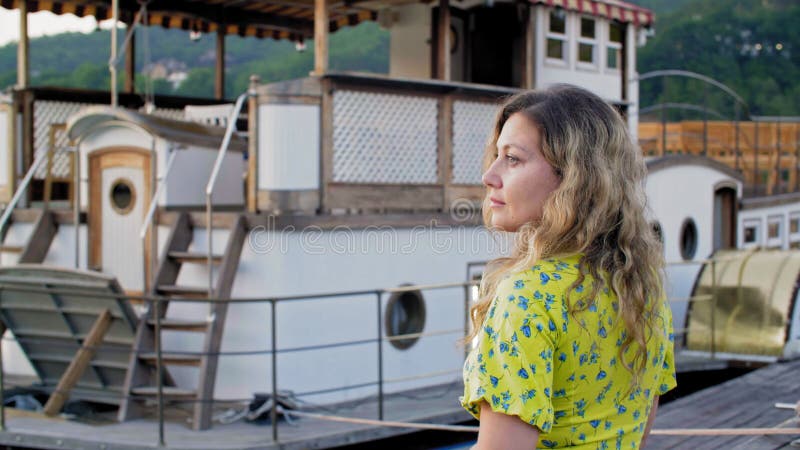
<point>491,179</point>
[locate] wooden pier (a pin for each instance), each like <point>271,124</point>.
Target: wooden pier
<point>744,402</point>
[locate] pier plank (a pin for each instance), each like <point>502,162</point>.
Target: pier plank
<point>744,402</point>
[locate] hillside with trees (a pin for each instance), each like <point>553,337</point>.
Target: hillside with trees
<point>752,46</point>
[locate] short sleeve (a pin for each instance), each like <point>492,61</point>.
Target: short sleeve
<point>667,380</point>
<point>512,366</point>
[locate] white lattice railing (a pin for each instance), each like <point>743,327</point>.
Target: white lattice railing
<point>472,125</point>
<point>384,138</point>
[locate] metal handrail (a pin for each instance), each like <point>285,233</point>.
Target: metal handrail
<point>38,161</point>
<point>154,201</point>
<point>212,180</point>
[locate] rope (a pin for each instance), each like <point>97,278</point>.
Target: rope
<point>474,429</point>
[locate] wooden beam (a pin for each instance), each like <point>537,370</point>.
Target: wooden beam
<point>78,364</point>
<point>252,146</point>
<point>130,64</point>
<point>623,68</point>
<point>529,58</point>
<point>23,68</point>
<point>219,68</point>
<point>321,26</point>
<point>443,42</point>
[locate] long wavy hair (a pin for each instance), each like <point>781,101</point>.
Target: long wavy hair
<point>598,210</point>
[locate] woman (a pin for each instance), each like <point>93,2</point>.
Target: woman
<point>573,334</point>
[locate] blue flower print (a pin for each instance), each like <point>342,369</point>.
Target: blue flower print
<point>522,303</point>
<point>544,278</point>
<point>549,444</point>
<point>526,330</point>
<point>523,373</point>
<point>519,284</point>
<point>493,379</point>
<point>601,375</point>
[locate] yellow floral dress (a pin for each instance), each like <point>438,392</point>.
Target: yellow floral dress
<point>559,371</point>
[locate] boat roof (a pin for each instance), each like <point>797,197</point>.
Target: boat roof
<point>656,163</point>
<point>289,19</point>
<point>184,132</point>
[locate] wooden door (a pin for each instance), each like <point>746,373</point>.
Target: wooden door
<point>119,195</point>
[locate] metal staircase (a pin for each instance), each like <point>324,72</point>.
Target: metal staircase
<point>141,382</point>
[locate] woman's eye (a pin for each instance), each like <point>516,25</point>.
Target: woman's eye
<point>512,159</point>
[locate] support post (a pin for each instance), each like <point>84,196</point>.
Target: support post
<point>78,364</point>
<point>23,68</point>
<point>219,69</point>
<point>529,77</point>
<point>252,145</point>
<point>320,37</point>
<point>130,63</point>
<point>623,64</point>
<point>112,67</point>
<point>443,42</point>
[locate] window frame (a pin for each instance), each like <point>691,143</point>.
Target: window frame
<point>611,45</point>
<point>777,241</point>
<point>564,38</point>
<point>756,225</point>
<point>594,42</point>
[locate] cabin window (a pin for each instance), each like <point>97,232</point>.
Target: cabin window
<point>405,315</point>
<point>774,232</point>
<point>750,234</point>
<point>688,239</point>
<point>794,223</point>
<point>557,35</point>
<point>587,41</point>
<point>614,46</point>
<point>122,196</point>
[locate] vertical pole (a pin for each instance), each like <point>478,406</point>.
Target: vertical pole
<point>737,153</point>
<point>778,154</point>
<point>529,79</point>
<point>663,116</point>
<point>130,62</point>
<point>380,355</point>
<point>159,371</point>
<point>219,68</point>
<point>112,66</point>
<point>623,63</point>
<point>76,206</point>
<point>443,42</point>
<point>705,119</point>
<point>757,175</point>
<point>274,412</point>
<point>713,307</point>
<point>252,145</point>
<point>321,26</point>
<point>2,381</point>
<point>150,264</point>
<point>23,68</point>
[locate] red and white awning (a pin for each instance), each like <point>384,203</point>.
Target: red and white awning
<point>609,9</point>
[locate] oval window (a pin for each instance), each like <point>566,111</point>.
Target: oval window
<point>405,314</point>
<point>688,239</point>
<point>123,196</point>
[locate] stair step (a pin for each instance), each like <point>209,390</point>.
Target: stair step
<point>167,391</point>
<point>194,257</point>
<point>181,325</point>
<point>183,291</point>
<point>11,248</point>
<point>171,359</point>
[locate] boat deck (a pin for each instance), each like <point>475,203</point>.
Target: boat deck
<point>744,402</point>
<point>437,404</point>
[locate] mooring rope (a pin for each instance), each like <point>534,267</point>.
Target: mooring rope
<point>474,429</point>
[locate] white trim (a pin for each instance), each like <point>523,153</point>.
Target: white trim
<point>793,236</point>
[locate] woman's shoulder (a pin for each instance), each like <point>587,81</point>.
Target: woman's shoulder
<point>546,271</point>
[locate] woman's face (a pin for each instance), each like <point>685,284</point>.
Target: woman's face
<point>519,179</point>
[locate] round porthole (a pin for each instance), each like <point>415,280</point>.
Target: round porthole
<point>688,239</point>
<point>123,195</point>
<point>405,314</point>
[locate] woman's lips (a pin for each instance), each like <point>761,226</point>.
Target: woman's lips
<point>496,203</point>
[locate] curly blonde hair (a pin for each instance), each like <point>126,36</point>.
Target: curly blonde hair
<point>598,210</point>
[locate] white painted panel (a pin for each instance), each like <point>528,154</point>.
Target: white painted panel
<point>62,250</point>
<point>5,150</point>
<point>191,170</point>
<point>122,253</point>
<point>288,147</point>
<point>410,42</point>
